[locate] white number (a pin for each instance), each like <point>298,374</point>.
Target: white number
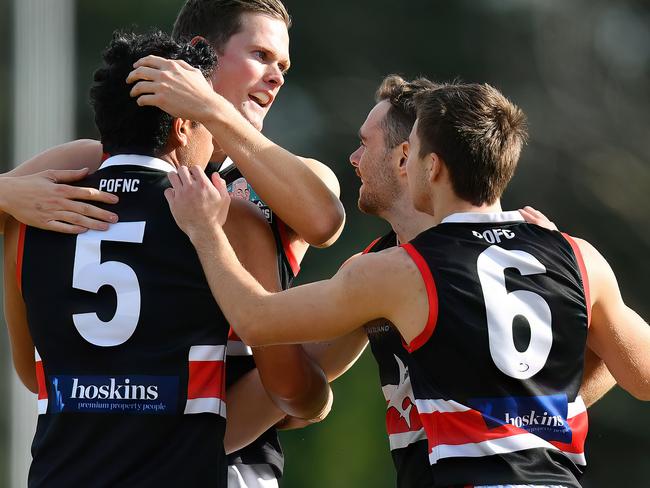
<point>90,274</point>
<point>502,307</point>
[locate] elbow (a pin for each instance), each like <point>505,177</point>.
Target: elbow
<point>246,328</point>
<point>639,388</point>
<point>326,228</point>
<point>307,400</point>
<point>642,394</point>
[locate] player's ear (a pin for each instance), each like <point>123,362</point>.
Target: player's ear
<point>435,166</point>
<point>196,39</point>
<point>180,130</point>
<point>403,149</point>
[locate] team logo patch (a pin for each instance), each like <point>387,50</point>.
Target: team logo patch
<point>240,188</point>
<point>114,394</point>
<point>544,416</point>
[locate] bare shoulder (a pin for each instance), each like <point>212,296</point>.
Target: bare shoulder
<point>602,281</point>
<point>394,259</point>
<point>391,272</point>
<point>391,283</point>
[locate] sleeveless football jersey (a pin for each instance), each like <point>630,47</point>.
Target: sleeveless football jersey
<point>406,436</point>
<point>266,449</point>
<point>130,345</point>
<point>497,369</point>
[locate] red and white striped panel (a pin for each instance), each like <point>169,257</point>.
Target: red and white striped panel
<point>236,347</point>
<point>455,430</point>
<point>42,387</point>
<point>206,385</point>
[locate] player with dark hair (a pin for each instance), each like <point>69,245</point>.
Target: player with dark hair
<point>251,40</point>
<point>130,346</point>
<point>495,312</point>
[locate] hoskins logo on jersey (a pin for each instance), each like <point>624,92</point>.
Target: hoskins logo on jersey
<point>544,416</point>
<point>115,394</point>
<point>114,391</point>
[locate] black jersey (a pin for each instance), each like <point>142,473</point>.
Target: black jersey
<point>406,436</point>
<point>266,449</point>
<point>130,345</point>
<point>497,369</point>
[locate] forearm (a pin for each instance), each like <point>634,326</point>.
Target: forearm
<point>38,192</point>
<point>250,412</point>
<point>337,356</point>
<point>82,153</point>
<point>240,300</point>
<point>295,192</point>
<point>300,389</point>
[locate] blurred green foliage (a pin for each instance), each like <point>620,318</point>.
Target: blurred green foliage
<point>580,70</point>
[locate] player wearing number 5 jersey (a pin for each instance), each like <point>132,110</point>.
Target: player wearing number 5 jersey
<point>130,344</point>
<point>495,313</point>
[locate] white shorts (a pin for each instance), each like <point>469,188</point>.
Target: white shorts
<point>251,476</point>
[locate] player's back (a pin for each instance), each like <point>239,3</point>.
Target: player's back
<point>497,370</point>
<point>130,346</point>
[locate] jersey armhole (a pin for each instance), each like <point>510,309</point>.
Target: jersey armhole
<point>286,246</point>
<point>583,274</point>
<point>432,295</point>
<point>19,257</point>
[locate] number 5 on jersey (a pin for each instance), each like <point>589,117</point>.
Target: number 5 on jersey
<point>90,274</point>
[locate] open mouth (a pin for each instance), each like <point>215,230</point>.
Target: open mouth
<point>263,99</point>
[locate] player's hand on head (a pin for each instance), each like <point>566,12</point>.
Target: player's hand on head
<point>171,85</point>
<point>44,200</point>
<point>533,216</point>
<point>197,203</point>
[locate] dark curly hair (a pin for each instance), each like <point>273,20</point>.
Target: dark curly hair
<point>124,126</point>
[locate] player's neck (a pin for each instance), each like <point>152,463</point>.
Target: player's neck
<point>172,159</point>
<point>218,156</point>
<point>405,220</point>
<point>443,208</point>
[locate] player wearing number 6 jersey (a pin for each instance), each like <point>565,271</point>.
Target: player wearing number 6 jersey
<point>495,312</point>
<point>130,344</point>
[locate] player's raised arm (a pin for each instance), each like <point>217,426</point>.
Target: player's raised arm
<point>303,192</point>
<point>617,333</point>
<point>315,312</point>
<point>36,192</point>
<point>294,381</point>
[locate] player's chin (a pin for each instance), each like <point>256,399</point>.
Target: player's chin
<point>255,115</point>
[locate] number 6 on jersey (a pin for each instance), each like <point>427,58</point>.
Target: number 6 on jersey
<point>90,274</point>
<point>502,307</point>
